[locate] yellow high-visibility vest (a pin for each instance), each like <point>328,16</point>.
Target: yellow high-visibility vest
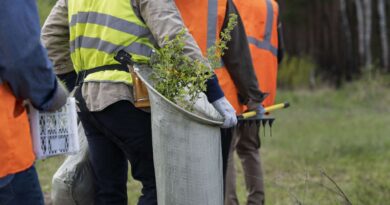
<point>99,29</point>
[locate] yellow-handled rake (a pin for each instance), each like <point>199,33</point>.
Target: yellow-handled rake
<point>271,108</point>
<point>251,118</point>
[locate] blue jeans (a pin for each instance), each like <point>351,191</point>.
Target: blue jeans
<point>23,189</point>
<point>116,135</point>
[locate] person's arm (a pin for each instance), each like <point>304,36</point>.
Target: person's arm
<point>55,37</point>
<point>280,42</point>
<point>163,19</point>
<point>23,61</point>
<point>238,60</point>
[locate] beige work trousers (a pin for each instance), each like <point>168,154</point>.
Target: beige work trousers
<point>246,142</point>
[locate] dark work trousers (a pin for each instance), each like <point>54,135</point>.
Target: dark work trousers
<point>22,189</point>
<point>247,143</point>
<point>226,139</point>
<point>116,134</point>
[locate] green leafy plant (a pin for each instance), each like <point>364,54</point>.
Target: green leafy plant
<point>180,78</point>
<point>215,52</point>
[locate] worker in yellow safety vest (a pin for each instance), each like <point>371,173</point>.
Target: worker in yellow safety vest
<point>116,130</point>
<point>25,74</point>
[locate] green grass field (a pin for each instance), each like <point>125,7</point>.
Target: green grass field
<point>343,133</point>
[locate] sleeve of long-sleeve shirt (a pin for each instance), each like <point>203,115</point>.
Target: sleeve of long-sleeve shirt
<point>238,60</point>
<point>280,42</point>
<point>55,37</point>
<point>23,60</point>
<point>163,19</point>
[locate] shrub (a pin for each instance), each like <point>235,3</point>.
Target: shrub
<point>181,79</point>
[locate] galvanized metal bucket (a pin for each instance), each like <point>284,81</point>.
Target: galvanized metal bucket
<point>186,150</point>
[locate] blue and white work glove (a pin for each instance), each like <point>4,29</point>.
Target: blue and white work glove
<point>256,106</point>
<point>59,98</point>
<point>227,111</point>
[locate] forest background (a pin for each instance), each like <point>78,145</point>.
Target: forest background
<point>332,146</point>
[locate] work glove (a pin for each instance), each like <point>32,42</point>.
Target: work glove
<point>59,98</point>
<point>256,106</point>
<point>227,111</point>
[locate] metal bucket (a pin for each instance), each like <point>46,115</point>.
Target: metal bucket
<point>186,150</point>
<point>72,184</point>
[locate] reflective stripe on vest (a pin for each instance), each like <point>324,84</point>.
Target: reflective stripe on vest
<point>266,43</point>
<point>204,20</point>
<point>260,21</point>
<point>15,139</point>
<point>197,14</point>
<point>212,25</point>
<point>99,29</point>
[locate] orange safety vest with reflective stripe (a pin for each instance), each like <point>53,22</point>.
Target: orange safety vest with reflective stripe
<point>260,18</point>
<point>204,20</point>
<point>15,138</point>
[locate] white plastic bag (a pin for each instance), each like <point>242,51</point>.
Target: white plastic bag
<point>72,184</point>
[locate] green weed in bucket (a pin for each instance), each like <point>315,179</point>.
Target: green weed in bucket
<point>180,78</point>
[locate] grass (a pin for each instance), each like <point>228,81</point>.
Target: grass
<point>296,72</point>
<point>343,133</point>
<point>44,7</point>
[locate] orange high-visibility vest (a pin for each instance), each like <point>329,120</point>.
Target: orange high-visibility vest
<point>204,20</point>
<point>260,18</point>
<point>15,139</point>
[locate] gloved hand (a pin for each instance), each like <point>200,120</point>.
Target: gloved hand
<point>227,111</point>
<point>59,98</point>
<point>256,106</point>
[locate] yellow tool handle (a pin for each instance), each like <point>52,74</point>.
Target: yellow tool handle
<point>267,109</point>
<point>277,107</point>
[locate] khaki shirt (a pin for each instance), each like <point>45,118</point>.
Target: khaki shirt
<point>162,18</point>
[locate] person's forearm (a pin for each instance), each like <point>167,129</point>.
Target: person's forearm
<point>55,37</point>
<point>23,60</point>
<point>214,91</point>
<point>280,43</point>
<point>163,19</point>
<point>238,60</point>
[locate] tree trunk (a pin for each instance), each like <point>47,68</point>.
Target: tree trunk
<point>346,28</point>
<point>360,27</point>
<point>368,33</point>
<point>383,34</point>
